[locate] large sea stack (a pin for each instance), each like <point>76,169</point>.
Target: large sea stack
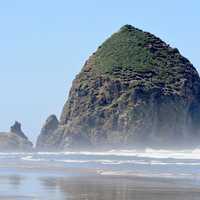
<point>134,91</point>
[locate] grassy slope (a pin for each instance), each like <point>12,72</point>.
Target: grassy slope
<point>130,49</point>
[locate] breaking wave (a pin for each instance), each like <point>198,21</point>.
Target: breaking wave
<point>149,156</point>
<point>148,163</point>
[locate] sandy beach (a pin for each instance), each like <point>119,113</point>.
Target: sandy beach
<point>23,183</point>
<point>111,175</point>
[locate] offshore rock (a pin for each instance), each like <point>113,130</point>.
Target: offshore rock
<point>16,128</point>
<point>48,129</point>
<point>15,140</point>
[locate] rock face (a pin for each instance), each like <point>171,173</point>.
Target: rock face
<point>134,91</point>
<point>15,140</point>
<point>44,138</point>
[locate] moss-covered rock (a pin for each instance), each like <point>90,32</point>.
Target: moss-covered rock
<point>135,90</point>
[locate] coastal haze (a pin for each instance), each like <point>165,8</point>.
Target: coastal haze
<point>128,126</point>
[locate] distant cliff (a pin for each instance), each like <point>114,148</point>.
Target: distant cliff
<point>15,140</point>
<point>134,91</point>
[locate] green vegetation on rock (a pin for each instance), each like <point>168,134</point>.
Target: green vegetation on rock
<point>123,50</point>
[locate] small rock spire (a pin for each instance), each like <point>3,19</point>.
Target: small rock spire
<point>16,128</point>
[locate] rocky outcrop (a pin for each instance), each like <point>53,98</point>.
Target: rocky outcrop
<point>134,91</point>
<point>16,128</point>
<point>15,140</point>
<point>48,129</point>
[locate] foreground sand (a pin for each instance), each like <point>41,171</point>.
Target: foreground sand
<point>53,182</point>
<point>100,188</point>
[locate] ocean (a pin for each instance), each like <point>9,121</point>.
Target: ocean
<point>114,174</point>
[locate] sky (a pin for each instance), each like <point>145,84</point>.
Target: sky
<point>44,44</point>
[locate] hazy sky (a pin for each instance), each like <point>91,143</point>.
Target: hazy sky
<point>44,43</point>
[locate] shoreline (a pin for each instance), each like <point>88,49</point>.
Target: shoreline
<point>59,171</point>
<point>24,182</point>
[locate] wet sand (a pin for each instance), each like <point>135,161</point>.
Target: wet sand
<point>18,184</point>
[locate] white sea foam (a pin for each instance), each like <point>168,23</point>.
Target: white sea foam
<point>114,157</point>
<point>121,162</point>
<point>151,153</point>
<point>149,175</point>
<point>148,153</point>
<point>30,158</point>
